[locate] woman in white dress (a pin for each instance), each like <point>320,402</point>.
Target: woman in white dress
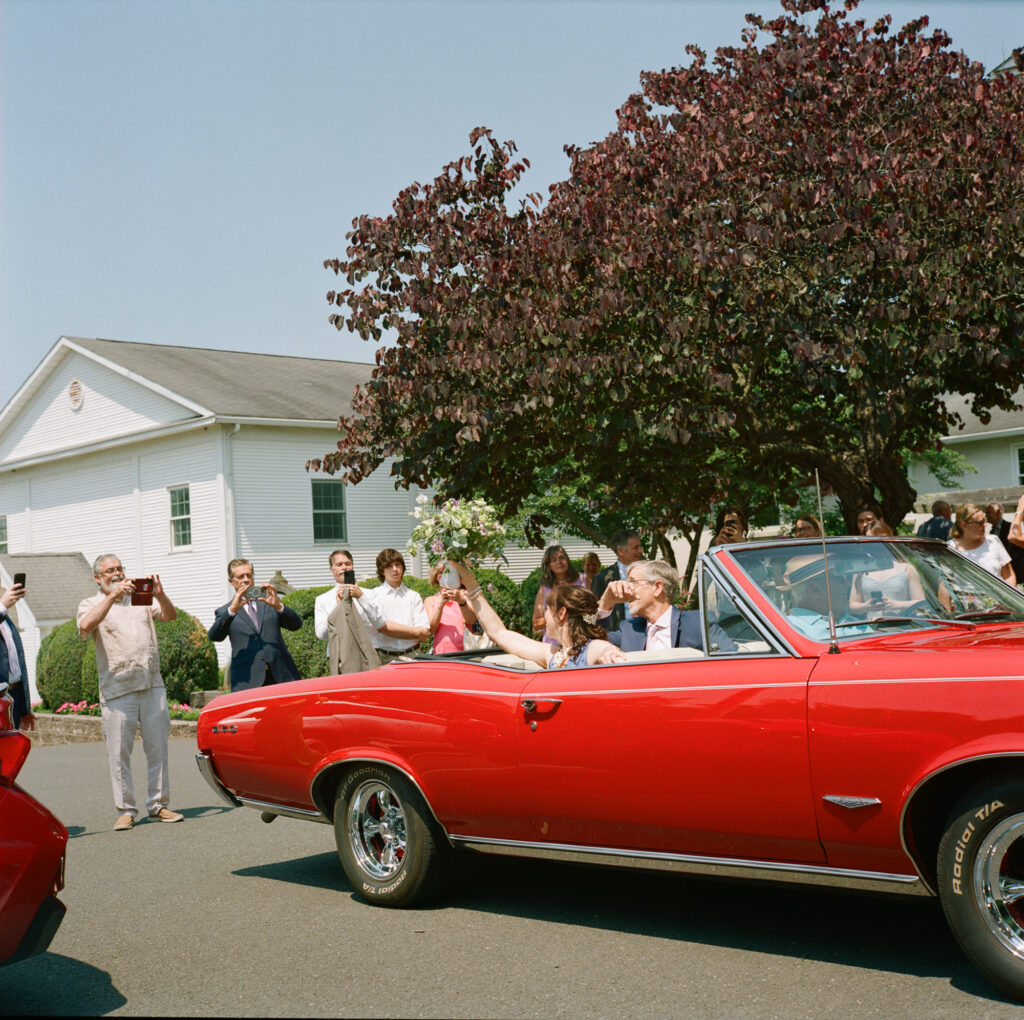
<point>969,539</point>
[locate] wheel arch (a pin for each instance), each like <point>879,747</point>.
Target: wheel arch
<point>324,786</point>
<point>930,803</point>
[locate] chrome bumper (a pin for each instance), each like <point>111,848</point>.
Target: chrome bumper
<point>205,765</point>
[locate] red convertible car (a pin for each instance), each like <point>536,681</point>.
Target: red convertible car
<point>32,845</point>
<point>810,746</point>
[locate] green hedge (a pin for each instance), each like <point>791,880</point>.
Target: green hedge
<point>308,651</point>
<point>66,665</point>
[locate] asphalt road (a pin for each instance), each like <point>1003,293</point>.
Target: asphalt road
<point>222,915</point>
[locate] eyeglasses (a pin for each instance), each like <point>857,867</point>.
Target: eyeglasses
<point>639,580</point>
<point>112,570</point>
<point>975,520</point>
<point>804,529</point>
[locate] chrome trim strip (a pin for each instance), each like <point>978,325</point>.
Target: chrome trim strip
<point>289,812</point>
<point>851,802</point>
<point>205,765</point>
<point>726,867</point>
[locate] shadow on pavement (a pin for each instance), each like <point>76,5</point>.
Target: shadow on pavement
<point>321,871</point>
<point>52,985</point>
<point>897,934</point>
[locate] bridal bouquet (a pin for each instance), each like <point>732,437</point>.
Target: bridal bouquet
<point>459,529</point>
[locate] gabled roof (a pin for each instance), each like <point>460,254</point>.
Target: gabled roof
<point>225,384</point>
<point>238,383</point>
<point>54,582</point>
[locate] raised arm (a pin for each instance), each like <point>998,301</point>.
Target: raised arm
<point>508,640</point>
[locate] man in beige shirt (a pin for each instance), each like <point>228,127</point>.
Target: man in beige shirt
<point>132,692</point>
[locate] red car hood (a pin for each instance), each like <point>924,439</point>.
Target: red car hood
<point>988,636</point>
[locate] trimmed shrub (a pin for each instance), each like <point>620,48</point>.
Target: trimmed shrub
<point>308,651</point>
<point>66,665</point>
<point>188,659</point>
<point>59,666</point>
<point>505,598</point>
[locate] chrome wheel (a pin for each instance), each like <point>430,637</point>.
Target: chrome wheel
<point>376,829</point>
<point>999,882</point>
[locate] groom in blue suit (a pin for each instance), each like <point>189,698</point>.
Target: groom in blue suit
<point>13,670</point>
<point>650,588</point>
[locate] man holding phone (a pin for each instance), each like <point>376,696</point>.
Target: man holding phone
<point>346,620</point>
<point>13,670</point>
<point>253,620</point>
<point>132,692</point>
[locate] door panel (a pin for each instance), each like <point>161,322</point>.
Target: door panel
<point>703,757</point>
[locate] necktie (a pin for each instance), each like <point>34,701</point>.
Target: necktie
<point>250,608</point>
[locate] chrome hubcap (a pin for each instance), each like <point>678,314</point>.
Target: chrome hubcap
<point>999,883</point>
<point>376,829</point>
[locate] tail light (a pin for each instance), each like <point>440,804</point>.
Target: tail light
<point>14,748</point>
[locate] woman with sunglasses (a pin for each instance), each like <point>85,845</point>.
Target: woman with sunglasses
<point>969,539</point>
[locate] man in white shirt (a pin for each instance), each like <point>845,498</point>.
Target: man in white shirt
<point>341,564</point>
<point>405,620</point>
<point>651,588</point>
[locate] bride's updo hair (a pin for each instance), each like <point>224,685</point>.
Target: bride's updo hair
<point>581,617</point>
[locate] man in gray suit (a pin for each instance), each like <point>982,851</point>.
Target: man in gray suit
<point>258,652</point>
<point>13,670</point>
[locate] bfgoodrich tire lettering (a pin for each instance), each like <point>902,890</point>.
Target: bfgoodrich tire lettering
<point>389,845</point>
<point>981,882</point>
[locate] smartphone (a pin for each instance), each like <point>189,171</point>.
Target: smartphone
<point>19,578</point>
<point>256,591</point>
<point>875,596</point>
<point>350,577</point>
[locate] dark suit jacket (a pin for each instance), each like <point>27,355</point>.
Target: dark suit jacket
<point>254,648</point>
<point>685,630</point>
<point>19,692</point>
<point>602,579</point>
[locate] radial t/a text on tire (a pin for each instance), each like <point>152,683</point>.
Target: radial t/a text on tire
<point>981,881</point>
<point>389,844</point>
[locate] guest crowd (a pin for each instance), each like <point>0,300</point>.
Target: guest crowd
<point>580,617</point>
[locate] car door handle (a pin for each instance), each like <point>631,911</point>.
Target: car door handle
<point>540,704</point>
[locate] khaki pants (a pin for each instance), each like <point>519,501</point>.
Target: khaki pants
<point>146,710</point>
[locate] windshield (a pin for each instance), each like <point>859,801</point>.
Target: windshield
<point>878,586</point>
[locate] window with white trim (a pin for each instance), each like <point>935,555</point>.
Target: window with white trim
<point>3,533</point>
<point>1020,464</point>
<point>181,517</point>
<point>329,524</point>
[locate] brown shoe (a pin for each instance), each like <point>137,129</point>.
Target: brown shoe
<point>167,815</point>
<point>124,822</point>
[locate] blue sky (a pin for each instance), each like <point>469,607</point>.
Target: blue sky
<point>176,171</point>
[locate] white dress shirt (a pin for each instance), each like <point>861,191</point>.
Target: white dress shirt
<point>400,605</point>
<point>326,603</point>
<point>659,633</point>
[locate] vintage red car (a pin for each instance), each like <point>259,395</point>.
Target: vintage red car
<point>32,846</point>
<point>811,746</point>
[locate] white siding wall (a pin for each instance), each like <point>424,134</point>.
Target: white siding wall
<point>117,501</point>
<point>274,507</point>
<point>112,406</point>
<point>995,460</point>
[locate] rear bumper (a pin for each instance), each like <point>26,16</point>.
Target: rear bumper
<point>40,932</point>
